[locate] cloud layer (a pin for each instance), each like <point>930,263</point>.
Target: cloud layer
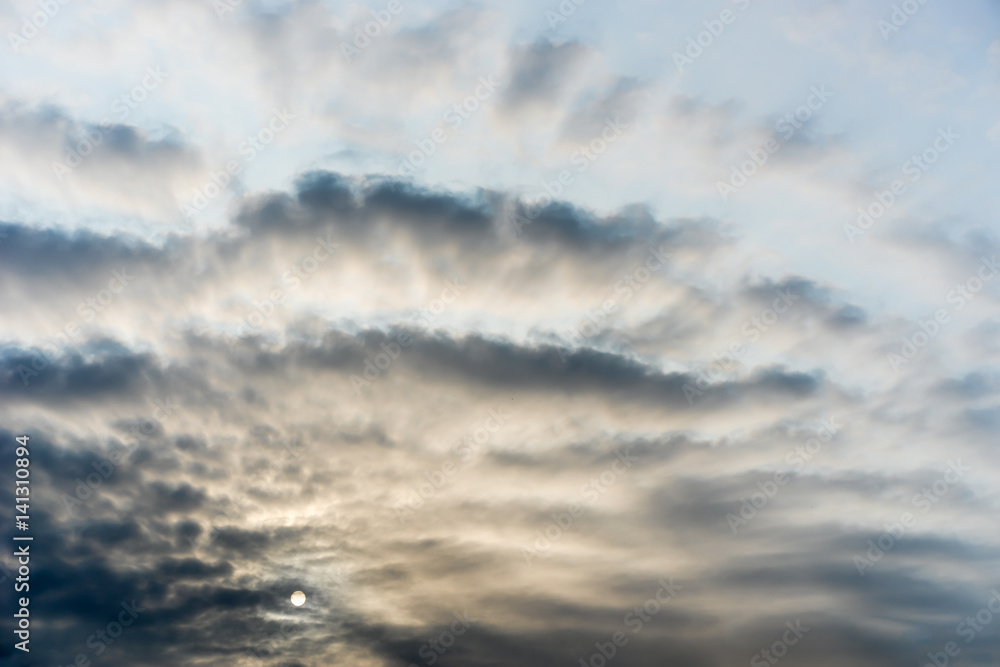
<point>536,396</point>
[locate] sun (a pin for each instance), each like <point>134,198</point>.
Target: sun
<point>298,598</point>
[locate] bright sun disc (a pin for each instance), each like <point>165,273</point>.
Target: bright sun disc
<point>298,598</point>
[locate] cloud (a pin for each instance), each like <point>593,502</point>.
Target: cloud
<point>474,424</point>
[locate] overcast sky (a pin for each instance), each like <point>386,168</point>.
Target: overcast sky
<point>511,333</point>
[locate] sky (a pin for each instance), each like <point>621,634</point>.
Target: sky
<point>528,334</point>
